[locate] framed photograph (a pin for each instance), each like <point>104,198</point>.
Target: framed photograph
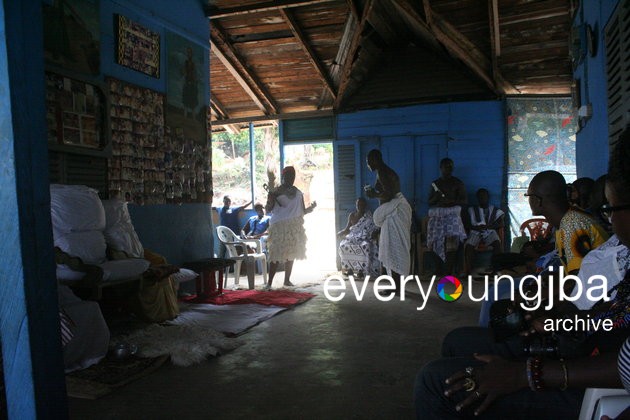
<point>185,103</point>
<point>137,47</point>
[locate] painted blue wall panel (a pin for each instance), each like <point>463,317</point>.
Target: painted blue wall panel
<point>475,133</point>
<point>179,233</point>
<point>592,141</point>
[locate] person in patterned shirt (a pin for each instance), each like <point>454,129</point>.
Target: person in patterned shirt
<point>577,232</point>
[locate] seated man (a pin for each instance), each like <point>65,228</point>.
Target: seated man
<point>485,220</point>
<point>357,249</point>
<point>445,228</point>
<point>256,226</point>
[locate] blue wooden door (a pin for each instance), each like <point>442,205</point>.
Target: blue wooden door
<point>428,150</point>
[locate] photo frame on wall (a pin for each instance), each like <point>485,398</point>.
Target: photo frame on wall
<point>186,112</point>
<point>137,47</point>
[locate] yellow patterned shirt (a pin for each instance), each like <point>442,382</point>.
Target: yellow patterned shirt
<point>578,234</point>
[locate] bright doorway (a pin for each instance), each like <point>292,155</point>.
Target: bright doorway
<point>315,178</point>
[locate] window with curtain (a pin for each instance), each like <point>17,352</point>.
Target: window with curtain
<point>541,136</point>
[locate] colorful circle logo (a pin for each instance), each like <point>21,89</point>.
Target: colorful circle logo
<point>452,283</point>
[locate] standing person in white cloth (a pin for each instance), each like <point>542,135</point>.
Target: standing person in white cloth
<point>393,216</point>
<point>287,237</point>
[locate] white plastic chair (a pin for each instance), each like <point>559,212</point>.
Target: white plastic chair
<point>603,401</point>
<point>237,251</point>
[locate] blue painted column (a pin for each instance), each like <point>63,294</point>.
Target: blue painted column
<point>29,320</point>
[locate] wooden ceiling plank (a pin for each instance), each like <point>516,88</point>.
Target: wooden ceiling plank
<point>351,55</point>
<point>216,13</point>
<point>239,70</point>
<point>310,53</point>
<point>456,43</point>
<point>237,75</point>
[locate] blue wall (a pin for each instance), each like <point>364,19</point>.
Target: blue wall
<point>471,133</point>
<point>180,233</point>
<point>592,140</point>
<point>183,17</point>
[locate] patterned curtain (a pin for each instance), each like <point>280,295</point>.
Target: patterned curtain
<point>541,136</point>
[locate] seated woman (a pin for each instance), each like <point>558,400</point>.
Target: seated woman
<point>506,381</point>
<point>358,250</point>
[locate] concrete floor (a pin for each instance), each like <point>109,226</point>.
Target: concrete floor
<point>345,360</point>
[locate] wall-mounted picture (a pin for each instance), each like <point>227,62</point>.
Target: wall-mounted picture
<point>185,105</point>
<point>137,47</point>
<point>71,35</point>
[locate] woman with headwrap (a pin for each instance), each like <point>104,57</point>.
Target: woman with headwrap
<point>287,238</point>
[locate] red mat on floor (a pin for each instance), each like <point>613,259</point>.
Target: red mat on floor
<point>283,298</point>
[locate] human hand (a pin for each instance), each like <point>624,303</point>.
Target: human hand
<point>486,383</point>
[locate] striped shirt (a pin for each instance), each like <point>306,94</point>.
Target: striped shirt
<point>624,364</point>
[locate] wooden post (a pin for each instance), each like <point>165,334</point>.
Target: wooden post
<point>29,317</point>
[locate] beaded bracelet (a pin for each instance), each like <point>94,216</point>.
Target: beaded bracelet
<point>535,373</point>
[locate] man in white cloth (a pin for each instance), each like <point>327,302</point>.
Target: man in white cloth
<point>393,216</point>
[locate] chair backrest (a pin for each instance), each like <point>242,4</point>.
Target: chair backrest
<point>537,229</point>
<point>226,235</point>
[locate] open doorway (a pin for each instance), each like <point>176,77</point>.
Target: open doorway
<point>315,178</point>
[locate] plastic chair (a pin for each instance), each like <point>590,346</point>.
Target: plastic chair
<point>237,251</point>
<point>537,229</point>
<point>603,401</point>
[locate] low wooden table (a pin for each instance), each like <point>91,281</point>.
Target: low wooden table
<point>207,283</point>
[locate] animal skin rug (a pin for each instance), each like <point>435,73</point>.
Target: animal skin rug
<point>185,344</point>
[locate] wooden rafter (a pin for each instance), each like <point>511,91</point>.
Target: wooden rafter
<point>218,108</point>
<point>216,13</point>
<point>353,9</point>
<point>456,43</point>
<point>283,116</point>
<point>310,53</point>
<point>219,111</point>
<point>235,65</point>
<point>351,56</point>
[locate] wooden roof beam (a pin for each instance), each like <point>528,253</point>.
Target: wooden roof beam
<point>310,53</point>
<point>456,43</point>
<point>351,56</point>
<point>220,113</point>
<point>495,49</point>
<point>235,65</point>
<point>284,116</point>
<point>353,9</point>
<point>212,12</point>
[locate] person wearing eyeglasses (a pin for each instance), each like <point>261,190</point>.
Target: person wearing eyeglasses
<point>493,385</point>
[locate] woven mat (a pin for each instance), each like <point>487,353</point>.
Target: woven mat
<point>108,375</point>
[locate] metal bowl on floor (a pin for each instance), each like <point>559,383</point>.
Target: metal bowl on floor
<point>122,351</point>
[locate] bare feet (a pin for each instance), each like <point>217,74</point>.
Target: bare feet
<point>288,284</point>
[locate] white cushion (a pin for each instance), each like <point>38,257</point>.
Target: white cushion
<point>119,231</point>
<point>76,208</point>
<point>122,269</point>
<point>89,246</point>
<point>184,275</point>
<point>112,270</point>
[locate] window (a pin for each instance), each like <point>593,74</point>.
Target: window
<point>541,136</point>
<point>232,169</point>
